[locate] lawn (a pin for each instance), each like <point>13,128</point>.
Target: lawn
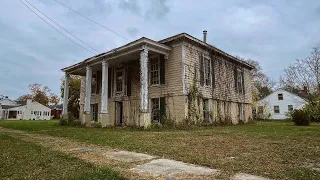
<point>276,150</point>
<point>25,160</point>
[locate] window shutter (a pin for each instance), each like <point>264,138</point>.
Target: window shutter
<point>162,109</point>
<point>201,70</point>
<point>129,77</point>
<point>243,84</point>
<point>109,82</point>
<point>162,70</point>
<point>235,73</point>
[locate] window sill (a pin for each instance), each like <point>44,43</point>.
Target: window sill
<point>157,85</point>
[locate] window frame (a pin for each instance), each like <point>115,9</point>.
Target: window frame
<point>152,109</point>
<point>151,71</point>
<point>280,96</point>
<point>205,74</point>
<point>122,70</point>
<point>274,110</point>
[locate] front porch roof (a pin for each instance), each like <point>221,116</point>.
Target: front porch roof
<point>113,56</point>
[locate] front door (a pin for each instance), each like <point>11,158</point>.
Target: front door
<point>119,108</point>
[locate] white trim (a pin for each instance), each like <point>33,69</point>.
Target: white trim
<point>104,87</point>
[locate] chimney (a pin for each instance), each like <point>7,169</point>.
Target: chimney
<point>205,36</point>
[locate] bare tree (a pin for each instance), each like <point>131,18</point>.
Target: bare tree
<point>304,73</point>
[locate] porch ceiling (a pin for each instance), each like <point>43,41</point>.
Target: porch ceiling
<point>119,55</point>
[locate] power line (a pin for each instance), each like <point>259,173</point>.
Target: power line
<point>61,26</point>
<point>91,20</point>
<point>56,28</point>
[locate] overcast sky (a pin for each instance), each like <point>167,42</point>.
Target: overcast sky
<point>273,32</point>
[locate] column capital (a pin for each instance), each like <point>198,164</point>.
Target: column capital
<point>88,67</point>
<point>144,48</point>
<point>105,63</point>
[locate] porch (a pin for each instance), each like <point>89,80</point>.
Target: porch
<point>116,83</point>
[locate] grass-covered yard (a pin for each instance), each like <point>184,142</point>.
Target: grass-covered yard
<point>276,150</point>
<point>25,160</point>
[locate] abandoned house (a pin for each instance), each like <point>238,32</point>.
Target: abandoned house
<point>180,78</point>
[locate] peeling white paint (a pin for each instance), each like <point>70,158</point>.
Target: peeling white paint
<point>144,79</point>
<point>88,90</point>
<point>66,94</point>
<point>104,89</point>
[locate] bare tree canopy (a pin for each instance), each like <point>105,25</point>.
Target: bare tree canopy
<point>41,94</point>
<point>303,73</point>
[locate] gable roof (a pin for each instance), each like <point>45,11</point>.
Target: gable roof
<point>209,46</point>
<point>277,91</point>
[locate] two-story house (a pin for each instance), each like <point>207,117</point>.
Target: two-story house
<point>177,78</point>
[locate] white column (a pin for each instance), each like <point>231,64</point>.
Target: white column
<point>104,88</point>
<point>66,94</point>
<point>144,79</point>
<point>87,98</point>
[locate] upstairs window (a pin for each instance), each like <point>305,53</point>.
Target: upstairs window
<point>239,81</point>
<point>119,80</point>
<point>154,71</point>
<point>280,96</point>
<point>205,71</point>
<point>276,109</point>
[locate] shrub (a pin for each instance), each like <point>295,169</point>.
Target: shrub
<point>96,124</point>
<point>300,117</point>
<point>314,111</point>
<point>77,123</point>
<point>63,121</point>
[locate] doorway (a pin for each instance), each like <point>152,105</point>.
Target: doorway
<point>119,113</point>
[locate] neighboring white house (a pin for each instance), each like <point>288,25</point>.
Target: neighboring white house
<point>28,110</point>
<point>278,103</point>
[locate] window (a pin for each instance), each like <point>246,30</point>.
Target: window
<point>260,110</point>
<point>158,109</point>
<point>31,112</point>
<point>154,71</point>
<point>241,113</point>
<point>119,81</point>
<point>207,72</point>
<point>206,110</point>
<point>239,81</point>
<point>155,110</point>
<point>280,96</point>
<point>276,109</point>
<point>290,107</point>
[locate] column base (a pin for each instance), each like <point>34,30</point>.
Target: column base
<point>86,119</point>
<point>145,119</point>
<point>105,120</point>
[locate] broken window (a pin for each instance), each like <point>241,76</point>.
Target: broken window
<point>158,109</point>
<point>155,110</point>
<point>206,110</point>
<point>239,80</point>
<point>207,71</point>
<point>280,96</point>
<point>154,70</point>
<point>276,109</point>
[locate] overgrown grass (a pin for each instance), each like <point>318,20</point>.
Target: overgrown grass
<point>25,160</point>
<point>273,149</point>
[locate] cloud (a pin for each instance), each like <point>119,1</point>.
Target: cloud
<point>273,32</point>
<point>132,6</point>
<point>159,9</point>
<point>132,31</point>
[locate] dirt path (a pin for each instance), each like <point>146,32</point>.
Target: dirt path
<point>129,164</point>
